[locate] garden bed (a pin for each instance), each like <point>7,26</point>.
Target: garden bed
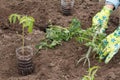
<point>50,64</point>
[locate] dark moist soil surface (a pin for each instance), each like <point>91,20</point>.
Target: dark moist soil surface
<point>50,64</point>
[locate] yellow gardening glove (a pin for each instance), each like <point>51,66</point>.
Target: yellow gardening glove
<point>110,46</point>
<point>101,18</point>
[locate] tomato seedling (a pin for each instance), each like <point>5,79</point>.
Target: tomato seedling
<point>91,37</point>
<point>25,21</point>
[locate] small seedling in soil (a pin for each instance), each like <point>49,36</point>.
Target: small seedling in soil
<point>24,54</point>
<point>91,73</point>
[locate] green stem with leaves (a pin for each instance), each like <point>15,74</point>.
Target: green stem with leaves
<point>90,49</point>
<point>86,57</point>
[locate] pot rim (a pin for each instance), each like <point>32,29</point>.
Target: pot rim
<point>24,57</point>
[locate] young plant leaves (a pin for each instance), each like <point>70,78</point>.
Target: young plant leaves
<point>56,34</point>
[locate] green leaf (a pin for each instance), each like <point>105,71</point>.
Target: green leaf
<point>92,70</point>
<point>86,78</point>
<point>91,73</point>
<point>43,44</point>
<point>27,21</point>
<point>14,17</point>
<point>54,43</point>
<point>74,27</point>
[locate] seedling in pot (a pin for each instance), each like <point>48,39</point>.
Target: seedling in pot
<point>24,54</point>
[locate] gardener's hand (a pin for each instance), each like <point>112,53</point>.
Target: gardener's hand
<point>110,45</point>
<point>101,18</point>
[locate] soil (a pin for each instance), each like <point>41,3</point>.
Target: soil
<point>51,64</point>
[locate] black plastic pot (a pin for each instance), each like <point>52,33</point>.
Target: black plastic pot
<point>67,7</point>
<point>24,61</point>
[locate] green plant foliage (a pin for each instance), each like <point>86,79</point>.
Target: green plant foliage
<point>90,38</point>
<point>26,21</point>
<point>74,27</point>
<point>91,73</point>
<point>56,34</point>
